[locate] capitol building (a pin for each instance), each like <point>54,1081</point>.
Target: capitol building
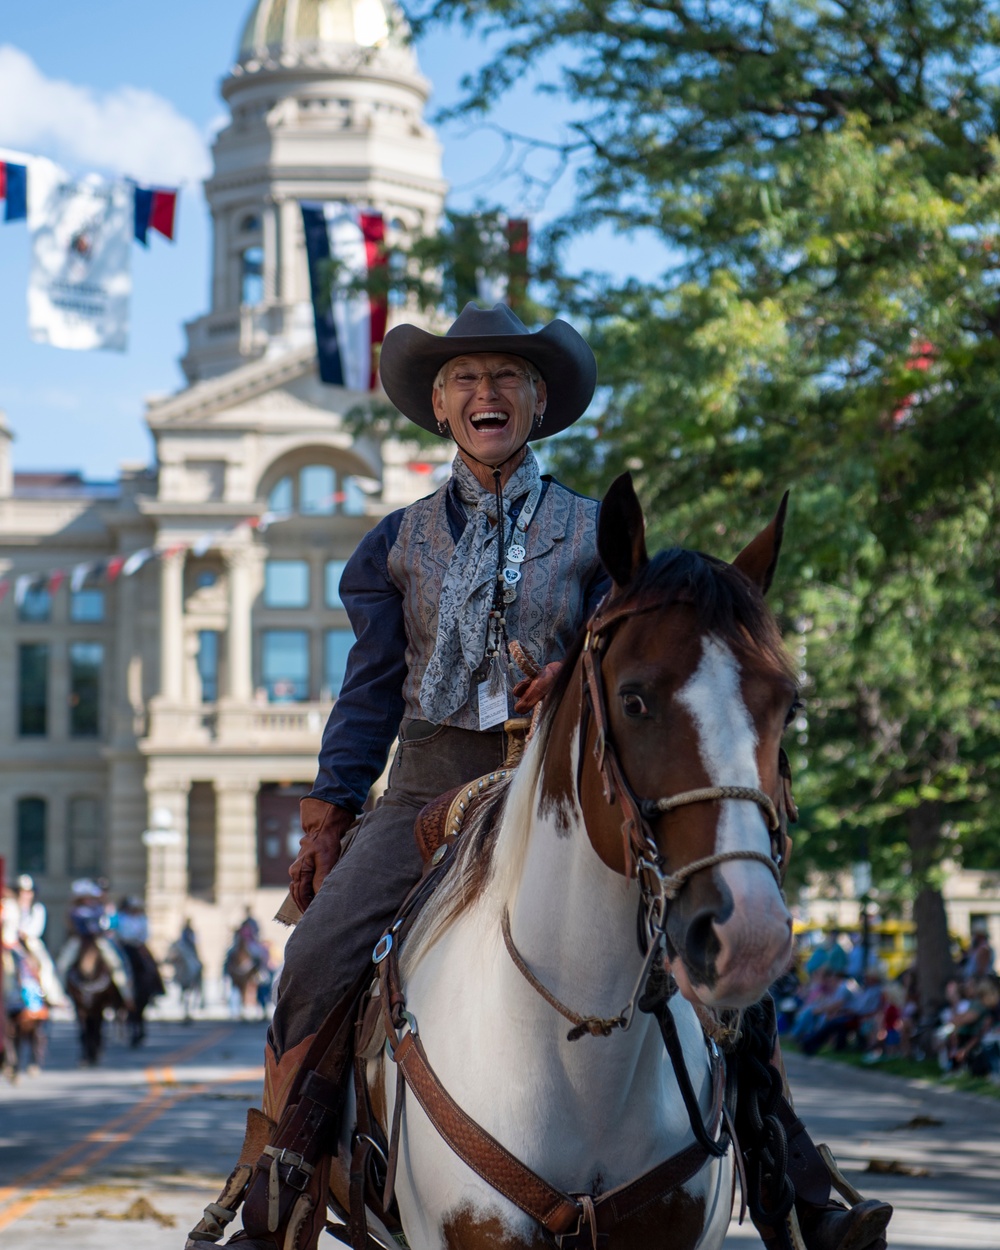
<point>160,727</point>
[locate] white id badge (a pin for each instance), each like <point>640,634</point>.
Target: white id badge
<point>492,707</point>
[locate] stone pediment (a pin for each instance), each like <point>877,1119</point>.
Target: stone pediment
<point>267,394</point>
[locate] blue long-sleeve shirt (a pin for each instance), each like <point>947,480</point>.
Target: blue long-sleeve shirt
<point>366,715</point>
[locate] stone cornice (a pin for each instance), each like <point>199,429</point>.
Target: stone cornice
<point>204,399</point>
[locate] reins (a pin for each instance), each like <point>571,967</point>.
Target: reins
<point>595,1026</point>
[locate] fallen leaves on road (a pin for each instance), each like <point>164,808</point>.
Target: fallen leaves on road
<point>918,1121</point>
<point>140,1209</point>
<point>893,1167</point>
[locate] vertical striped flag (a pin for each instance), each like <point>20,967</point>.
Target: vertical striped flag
<point>349,327</point>
<point>155,209</point>
<point>14,191</point>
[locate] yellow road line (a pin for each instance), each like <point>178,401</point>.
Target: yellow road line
<point>106,1140</point>
<point>109,1133</point>
<point>23,1205</point>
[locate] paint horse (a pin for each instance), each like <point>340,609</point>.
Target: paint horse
<point>91,987</point>
<point>651,790</point>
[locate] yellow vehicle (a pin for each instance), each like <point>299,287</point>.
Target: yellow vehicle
<point>893,942</point>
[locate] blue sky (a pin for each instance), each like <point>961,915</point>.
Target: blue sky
<point>133,89</point>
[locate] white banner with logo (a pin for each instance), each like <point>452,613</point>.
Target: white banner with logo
<point>81,277</point>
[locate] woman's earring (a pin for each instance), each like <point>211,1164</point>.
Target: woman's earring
<point>539,418</point>
<point>442,428</point>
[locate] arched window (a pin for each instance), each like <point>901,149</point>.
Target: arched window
<point>31,835</point>
<point>252,276</point>
<point>282,497</point>
<point>318,490</point>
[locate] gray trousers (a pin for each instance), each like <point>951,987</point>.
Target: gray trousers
<point>359,898</point>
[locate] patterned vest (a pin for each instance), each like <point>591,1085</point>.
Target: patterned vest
<point>561,563</point>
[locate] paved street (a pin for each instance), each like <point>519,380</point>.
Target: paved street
<point>126,1156</point>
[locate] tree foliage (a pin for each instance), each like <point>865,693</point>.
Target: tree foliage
<point>826,174</point>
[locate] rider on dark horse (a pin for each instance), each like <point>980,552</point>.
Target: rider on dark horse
<point>89,922</point>
<point>434,599</point>
<point>131,930</point>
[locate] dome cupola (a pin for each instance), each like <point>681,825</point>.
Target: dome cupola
<point>289,31</point>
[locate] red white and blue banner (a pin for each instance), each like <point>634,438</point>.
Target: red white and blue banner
<point>14,191</point>
<point>508,285</point>
<point>81,274</point>
<point>155,209</point>
<point>25,184</point>
<point>349,327</point>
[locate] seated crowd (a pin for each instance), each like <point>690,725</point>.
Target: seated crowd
<point>835,1003</point>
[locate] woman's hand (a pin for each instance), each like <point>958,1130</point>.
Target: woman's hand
<point>325,825</point>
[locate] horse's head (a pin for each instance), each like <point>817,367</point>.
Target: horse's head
<point>687,691</point>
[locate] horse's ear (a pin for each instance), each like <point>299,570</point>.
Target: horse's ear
<point>621,532</point>
<point>759,558</point>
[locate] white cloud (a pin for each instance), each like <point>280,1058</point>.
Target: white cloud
<point>128,131</point>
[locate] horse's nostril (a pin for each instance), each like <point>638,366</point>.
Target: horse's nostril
<point>701,945</point>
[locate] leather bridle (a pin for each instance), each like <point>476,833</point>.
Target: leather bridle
<point>658,888</point>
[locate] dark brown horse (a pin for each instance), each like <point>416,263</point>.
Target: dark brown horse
<point>91,987</point>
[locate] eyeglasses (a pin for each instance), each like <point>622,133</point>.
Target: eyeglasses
<point>506,378</point>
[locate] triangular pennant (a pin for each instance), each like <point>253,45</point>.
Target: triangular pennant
<point>25,583</point>
<point>80,574</point>
<point>136,560</point>
<point>115,566</point>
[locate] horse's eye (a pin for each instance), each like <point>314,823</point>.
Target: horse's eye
<point>796,707</point>
<point>633,704</point>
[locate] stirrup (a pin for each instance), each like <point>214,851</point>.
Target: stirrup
<point>840,1182</point>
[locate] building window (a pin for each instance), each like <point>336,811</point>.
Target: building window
<point>208,664</point>
<point>86,837</point>
<point>85,660</point>
<point>31,821</point>
<point>252,276</point>
<point>286,584</point>
<point>205,579</point>
<point>33,689</point>
<point>352,497</point>
<point>317,490</point>
<point>285,665</point>
<point>281,498</point>
<point>333,572</point>
<point>86,606</point>
<point>337,643</point>
<point>36,605</point>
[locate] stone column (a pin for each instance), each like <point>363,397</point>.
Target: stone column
<point>294,269</point>
<point>272,259</point>
<point>126,815</point>
<point>166,858</point>
<point>236,840</point>
<point>243,563</point>
<point>172,628</point>
<point>122,712</point>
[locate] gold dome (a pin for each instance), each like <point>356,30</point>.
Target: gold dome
<point>280,28</point>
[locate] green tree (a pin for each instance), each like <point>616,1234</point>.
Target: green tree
<point>827,175</point>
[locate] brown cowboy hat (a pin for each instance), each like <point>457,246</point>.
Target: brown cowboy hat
<point>411,357</point>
